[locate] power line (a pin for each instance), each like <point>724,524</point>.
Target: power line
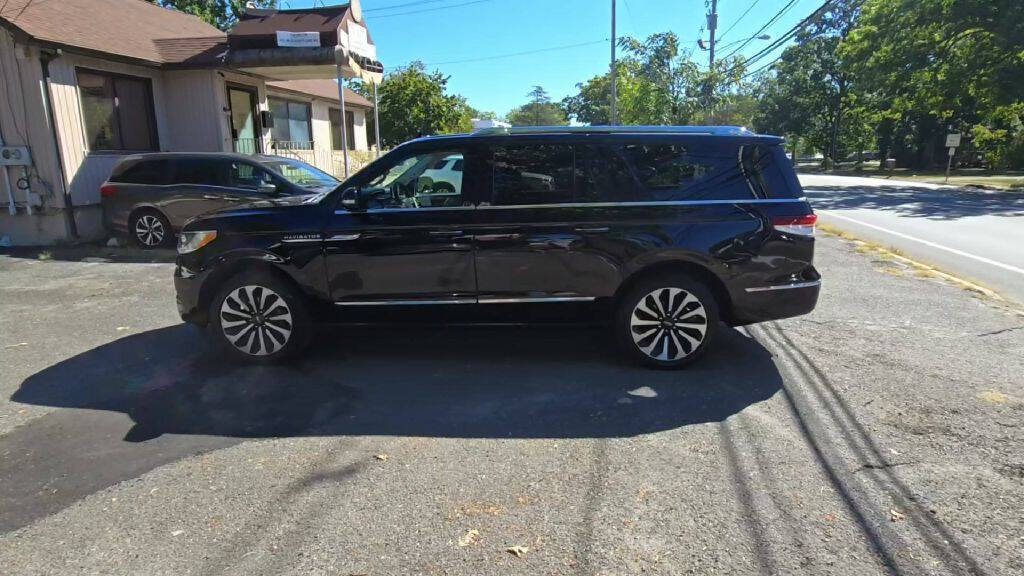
<point>410,12</point>
<point>729,29</point>
<point>771,21</point>
<point>796,29</point>
<point>513,54</point>
<point>405,5</point>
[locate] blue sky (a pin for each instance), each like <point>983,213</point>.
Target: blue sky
<point>468,29</point>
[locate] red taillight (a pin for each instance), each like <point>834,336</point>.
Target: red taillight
<point>796,224</point>
<point>108,190</point>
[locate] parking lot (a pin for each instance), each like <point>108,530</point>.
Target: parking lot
<point>880,434</point>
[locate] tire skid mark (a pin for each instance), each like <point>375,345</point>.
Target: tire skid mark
<point>883,538</point>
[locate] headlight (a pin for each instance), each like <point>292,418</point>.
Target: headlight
<point>192,241</point>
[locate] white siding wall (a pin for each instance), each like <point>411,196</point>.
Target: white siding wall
<point>193,112</point>
<point>359,120</point>
<point>321,126</point>
<point>87,170</point>
<point>23,120</point>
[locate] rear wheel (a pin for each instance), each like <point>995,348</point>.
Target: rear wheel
<point>150,229</point>
<point>259,318</point>
<point>666,321</point>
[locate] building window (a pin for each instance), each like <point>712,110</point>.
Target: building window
<point>350,126</point>
<point>292,127</point>
<point>118,111</point>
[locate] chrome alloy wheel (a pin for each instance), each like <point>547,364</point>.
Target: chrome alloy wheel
<point>149,230</point>
<point>256,320</point>
<point>668,324</point>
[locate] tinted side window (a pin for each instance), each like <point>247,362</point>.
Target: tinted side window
<point>145,172</point>
<point>764,171</point>
<point>245,175</point>
<point>532,174</point>
<point>602,175</point>
<point>667,166</point>
<point>202,171</point>
<point>420,181</point>
<point>694,170</point>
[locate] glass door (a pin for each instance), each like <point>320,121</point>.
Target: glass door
<point>245,132</point>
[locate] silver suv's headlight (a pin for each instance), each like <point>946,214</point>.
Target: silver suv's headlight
<point>192,241</point>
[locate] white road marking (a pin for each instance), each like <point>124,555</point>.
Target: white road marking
<point>989,261</point>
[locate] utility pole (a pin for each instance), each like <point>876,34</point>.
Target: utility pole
<point>614,115</point>
<point>712,24</point>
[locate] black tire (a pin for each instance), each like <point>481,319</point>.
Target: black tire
<point>650,331</point>
<point>150,229</point>
<point>275,332</point>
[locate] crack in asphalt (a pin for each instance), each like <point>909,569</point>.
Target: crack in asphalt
<point>884,465</point>
<point>1004,330</point>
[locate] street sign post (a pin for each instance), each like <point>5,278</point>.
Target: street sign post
<point>952,142</point>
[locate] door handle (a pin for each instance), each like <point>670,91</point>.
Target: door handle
<point>232,198</point>
<point>592,229</point>
<point>212,197</point>
<point>446,233</point>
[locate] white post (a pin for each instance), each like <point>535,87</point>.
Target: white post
<point>376,119</point>
<point>344,131</point>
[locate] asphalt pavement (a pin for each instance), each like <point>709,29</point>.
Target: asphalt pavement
<point>879,435</point>
<point>975,234</point>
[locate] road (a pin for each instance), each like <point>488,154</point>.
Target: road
<point>879,435</point>
<point>974,234</point>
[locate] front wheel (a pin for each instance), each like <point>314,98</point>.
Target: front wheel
<point>666,321</point>
<point>257,317</point>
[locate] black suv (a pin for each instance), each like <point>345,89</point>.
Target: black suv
<point>670,229</point>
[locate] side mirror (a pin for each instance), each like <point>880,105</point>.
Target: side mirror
<point>266,188</point>
<point>350,199</point>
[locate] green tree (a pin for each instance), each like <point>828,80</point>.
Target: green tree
<point>220,13</point>
<point>414,103</point>
<point>539,111</point>
<point>811,90</point>
<point>656,84</point>
<point>935,65</point>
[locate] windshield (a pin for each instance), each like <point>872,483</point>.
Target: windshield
<point>302,174</point>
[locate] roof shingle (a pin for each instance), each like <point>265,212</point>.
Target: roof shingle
<point>127,28</point>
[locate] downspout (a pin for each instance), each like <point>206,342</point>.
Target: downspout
<point>69,207</point>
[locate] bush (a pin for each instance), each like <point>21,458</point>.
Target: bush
<point>1000,140</point>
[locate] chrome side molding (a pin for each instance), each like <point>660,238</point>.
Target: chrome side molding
<point>785,286</point>
<point>483,300</point>
<point>593,205</point>
<point>494,300</point>
<point>404,302</point>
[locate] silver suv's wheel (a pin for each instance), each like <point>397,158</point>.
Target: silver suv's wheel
<point>666,321</point>
<point>150,229</point>
<point>259,317</point>
<point>256,320</point>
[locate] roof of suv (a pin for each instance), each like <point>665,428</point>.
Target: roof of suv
<point>739,132</point>
<point>209,155</point>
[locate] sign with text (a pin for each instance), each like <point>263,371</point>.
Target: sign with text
<point>357,41</point>
<point>298,39</point>
<point>952,140</point>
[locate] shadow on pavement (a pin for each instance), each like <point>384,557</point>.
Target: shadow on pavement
<point>475,382</point>
<point>129,254</point>
<point>940,204</point>
<point>154,398</point>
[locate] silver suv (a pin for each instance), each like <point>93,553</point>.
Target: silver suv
<point>150,196</point>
